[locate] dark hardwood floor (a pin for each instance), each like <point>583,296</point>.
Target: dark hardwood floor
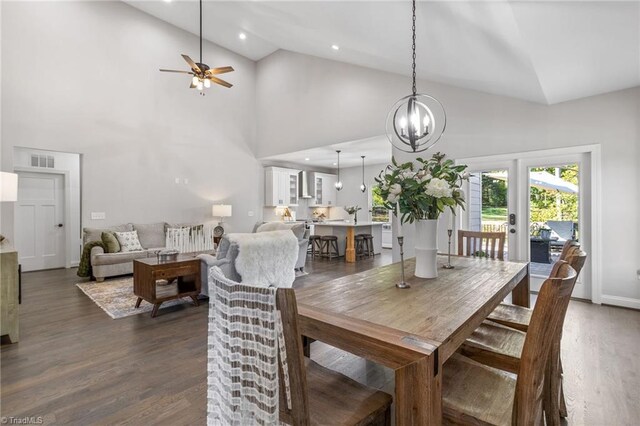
<point>76,365</point>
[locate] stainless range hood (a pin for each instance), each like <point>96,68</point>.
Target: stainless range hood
<point>305,185</point>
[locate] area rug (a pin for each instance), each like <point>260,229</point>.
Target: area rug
<point>116,297</point>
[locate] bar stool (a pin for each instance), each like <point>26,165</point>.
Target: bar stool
<point>315,245</point>
<point>330,246</point>
<point>368,245</point>
<point>359,245</point>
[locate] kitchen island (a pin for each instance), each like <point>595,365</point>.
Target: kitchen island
<point>346,231</point>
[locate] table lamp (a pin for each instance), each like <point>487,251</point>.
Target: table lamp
<point>221,211</point>
<point>8,190</point>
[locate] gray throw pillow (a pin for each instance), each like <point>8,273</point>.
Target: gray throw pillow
<point>151,235</point>
<point>110,242</point>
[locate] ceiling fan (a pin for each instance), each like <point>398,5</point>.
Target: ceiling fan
<point>202,74</point>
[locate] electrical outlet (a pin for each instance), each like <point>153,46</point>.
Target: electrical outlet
<point>250,213</point>
<point>98,215</point>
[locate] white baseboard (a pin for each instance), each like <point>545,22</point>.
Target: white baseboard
<point>627,302</point>
<point>75,264</point>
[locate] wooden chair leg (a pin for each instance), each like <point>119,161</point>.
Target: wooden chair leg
<point>195,300</point>
<point>552,387</point>
<point>138,302</point>
<point>563,403</point>
<point>306,346</point>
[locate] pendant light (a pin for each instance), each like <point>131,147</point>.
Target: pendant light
<point>338,184</point>
<point>363,187</point>
<point>416,122</point>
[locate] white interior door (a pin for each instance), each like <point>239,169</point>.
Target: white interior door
<point>40,235</point>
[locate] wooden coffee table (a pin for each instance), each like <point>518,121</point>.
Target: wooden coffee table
<point>158,281</point>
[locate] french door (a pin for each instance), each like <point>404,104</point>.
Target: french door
<point>538,202</point>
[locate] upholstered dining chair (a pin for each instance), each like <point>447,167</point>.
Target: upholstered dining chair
<point>481,244</point>
<point>474,393</point>
<point>500,346</point>
<point>257,372</point>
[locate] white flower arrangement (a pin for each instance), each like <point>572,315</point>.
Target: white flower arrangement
<point>423,190</point>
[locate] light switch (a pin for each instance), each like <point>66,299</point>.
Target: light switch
<point>98,215</point>
<point>250,213</point>
<point>186,181</point>
<point>177,180</point>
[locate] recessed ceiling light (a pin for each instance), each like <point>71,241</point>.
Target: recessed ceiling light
<point>167,1</point>
<point>335,164</point>
<point>242,36</point>
<point>306,159</point>
<point>335,47</point>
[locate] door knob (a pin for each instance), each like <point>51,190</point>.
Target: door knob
<point>60,225</point>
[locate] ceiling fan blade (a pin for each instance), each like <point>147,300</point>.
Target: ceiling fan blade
<point>219,81</point>
<point>182,72</point>
<point>192,64</point>
<point>221,70</point>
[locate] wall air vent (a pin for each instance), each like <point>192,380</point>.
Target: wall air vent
<point>46,161</point>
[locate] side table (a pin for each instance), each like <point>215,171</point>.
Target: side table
<point>150,274</point>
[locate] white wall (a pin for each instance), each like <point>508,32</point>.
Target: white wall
<point>350,194</point>
<point>331,102</point>
<point>83,77</point>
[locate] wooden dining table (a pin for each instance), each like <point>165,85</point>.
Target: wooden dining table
<point>414,330</point>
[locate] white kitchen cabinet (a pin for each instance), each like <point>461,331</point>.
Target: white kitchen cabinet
<point>292,187</point>
<point>324,191</point>
<point>280,187</point>
<point>330,193</point>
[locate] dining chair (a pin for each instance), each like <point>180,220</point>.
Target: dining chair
<point>499,346</point>
<point>516,316</point>
<point>481,244</point>
<point>257,372</point>
<point>474,393</point>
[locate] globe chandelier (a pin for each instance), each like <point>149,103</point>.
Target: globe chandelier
<point>415,122</point>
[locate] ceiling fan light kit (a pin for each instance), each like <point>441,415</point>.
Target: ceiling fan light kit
<point>202,74</point>
<point>415,122</point>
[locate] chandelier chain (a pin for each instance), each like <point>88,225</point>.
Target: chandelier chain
<point>413,46</point>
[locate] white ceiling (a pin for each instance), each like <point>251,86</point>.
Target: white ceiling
<point>540,51</point>
<point>376,151</point>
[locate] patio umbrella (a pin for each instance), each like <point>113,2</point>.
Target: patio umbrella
<point>542,180</point>
<point>545,180</point>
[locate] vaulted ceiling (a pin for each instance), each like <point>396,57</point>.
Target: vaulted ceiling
<point>541,51</point>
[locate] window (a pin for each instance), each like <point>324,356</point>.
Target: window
<point>379,212</point>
